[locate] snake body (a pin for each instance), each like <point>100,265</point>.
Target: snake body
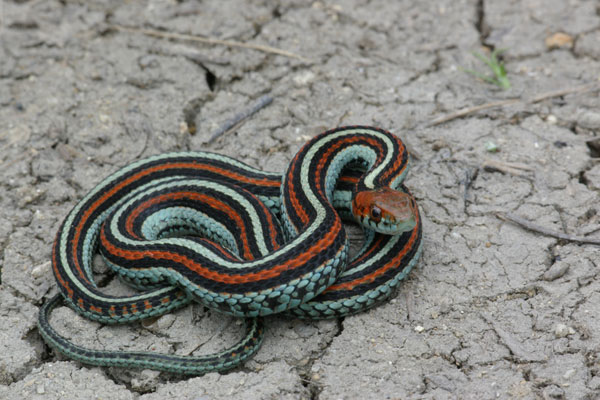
<point>203,227</point>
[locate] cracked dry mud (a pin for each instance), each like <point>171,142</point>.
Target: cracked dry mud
<point>492,311</point>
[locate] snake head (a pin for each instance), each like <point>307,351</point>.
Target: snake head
<point>385,210</point>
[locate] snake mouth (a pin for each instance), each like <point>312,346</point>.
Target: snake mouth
<point>385,210</point>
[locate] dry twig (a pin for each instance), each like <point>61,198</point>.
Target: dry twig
<point>220,42</point>
<point>188,52</point>
<point>545,231</point>
<point>516,169</point>
<point>471,110</point>
<point>544,96</point>
<point>470,176</point>
<point>239,117</point>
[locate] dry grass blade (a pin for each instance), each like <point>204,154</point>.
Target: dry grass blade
<point>545,231</point>
<point>239,117</point>
<point>470,110</point>
<point>516,169</point>
<point>536,99</point>
<point>220,42</point>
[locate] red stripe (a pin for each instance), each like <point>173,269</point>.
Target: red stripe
<point>349,179</point>
<point>198,197</point>
<point>273,272</point>
<point>331,149</point>
<point>296,206</point>
<point>61,281</point>
<point>395,169</point>
<point>272,226</point>
<point>179,165</point>
<point>380,271</point>
<point>372,248</point>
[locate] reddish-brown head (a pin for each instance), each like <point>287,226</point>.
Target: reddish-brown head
<point>385,210</point>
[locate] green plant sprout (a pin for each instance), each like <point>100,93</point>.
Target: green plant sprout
<point>499,79</point>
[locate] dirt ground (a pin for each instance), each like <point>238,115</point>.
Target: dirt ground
<point>491,311</point>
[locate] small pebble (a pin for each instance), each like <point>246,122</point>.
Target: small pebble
<point>148,61</point>
<point>183,127</point>
<point>561,330</point>
<point>303,79</point>
<point>41,269</point>
<point>560,144</point>
<point>558,40</point>
<point>553,392</point>
<point>419,329</point>
<point>594,383</point>
<point>589,120</point>
<point>438,144</point>
<point>557,270</point>
<point>569,374</point>
<point>303,362</point>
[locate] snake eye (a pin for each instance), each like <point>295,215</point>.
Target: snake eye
<point>376,214</point>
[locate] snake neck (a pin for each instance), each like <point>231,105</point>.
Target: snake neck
<point>310,181</point>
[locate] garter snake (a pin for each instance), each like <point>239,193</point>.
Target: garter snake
<point>198,226</point>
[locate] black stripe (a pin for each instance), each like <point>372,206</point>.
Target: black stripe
<point>148,263</point>
<point>257,190</point>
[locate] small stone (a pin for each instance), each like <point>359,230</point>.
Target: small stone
<point>589,120</point>
<point>419,329</point>
<point>594,383</point>
<point>560,144</point>
<point>303,362</point>
<point>587,45</point>
<point>569,373</point>
<point>148,61</point>
<point>557,270</point>
<point>438,144</point>
<point>304,78</point>
<point>41,269</point>
<point>183,127</point>
<point>561,330</point>
<point>551,119</point>
<point>105,119</point>
<point>146,380</point>
<point>558,40</point>
<point>553,392</point>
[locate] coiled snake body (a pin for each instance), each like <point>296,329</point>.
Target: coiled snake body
<point>203,227</point>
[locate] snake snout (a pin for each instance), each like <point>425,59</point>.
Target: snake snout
<point>385,210</point>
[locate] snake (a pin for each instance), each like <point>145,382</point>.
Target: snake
<point>204,227</point>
